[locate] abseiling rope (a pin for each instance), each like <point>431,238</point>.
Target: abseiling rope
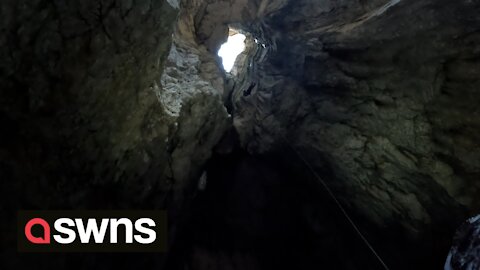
<point>337,202</point>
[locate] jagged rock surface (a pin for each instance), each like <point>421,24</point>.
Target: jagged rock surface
<point>465,252</point>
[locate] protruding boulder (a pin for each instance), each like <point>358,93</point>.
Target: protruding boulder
<point>465,252</point>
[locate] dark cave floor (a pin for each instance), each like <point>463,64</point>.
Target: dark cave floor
<point>260,213</point>
<point>257,214</point>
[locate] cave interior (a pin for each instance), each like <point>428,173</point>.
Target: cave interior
<point>276,134</point>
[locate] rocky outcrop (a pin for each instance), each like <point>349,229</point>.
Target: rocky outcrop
<point>465,253</point>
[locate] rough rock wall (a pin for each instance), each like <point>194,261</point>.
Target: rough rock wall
<point>382,99</point>
<point>191,91</point>
<point>77,89</point>
<point>85,113</point>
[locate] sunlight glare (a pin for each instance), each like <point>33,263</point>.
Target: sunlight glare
<point>229,51</point>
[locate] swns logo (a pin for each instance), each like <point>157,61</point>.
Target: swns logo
<point>92,231</point>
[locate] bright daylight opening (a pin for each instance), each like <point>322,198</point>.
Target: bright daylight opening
<point>229,51</point>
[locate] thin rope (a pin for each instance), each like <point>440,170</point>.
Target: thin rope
<point>332,195</point>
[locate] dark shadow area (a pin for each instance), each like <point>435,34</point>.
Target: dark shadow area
<point>256,213</point>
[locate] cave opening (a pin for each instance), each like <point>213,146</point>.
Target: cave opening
<point>267,211</point>
<point>261,211</point>
<point>231,49</point>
